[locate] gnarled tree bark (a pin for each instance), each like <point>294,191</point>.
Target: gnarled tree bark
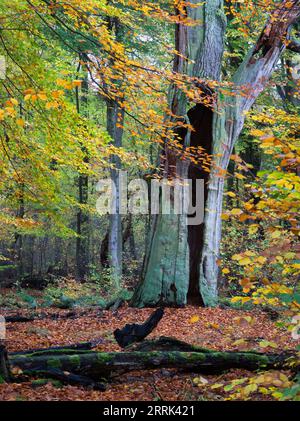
<point>171,266</point>
<point>172,271</point>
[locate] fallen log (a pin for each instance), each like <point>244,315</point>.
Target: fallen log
<point>137,332</point>
<point>64,377</point>
<point>165,343</point>
<point>101,364</point>
<point>82,346</point>
<point>18,318</point>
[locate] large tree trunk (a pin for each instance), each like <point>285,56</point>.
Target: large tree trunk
<point>166,271</point>
<point>254,73</point>
<point>171,266</point>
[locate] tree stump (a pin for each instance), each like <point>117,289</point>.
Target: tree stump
<point>136,333</point>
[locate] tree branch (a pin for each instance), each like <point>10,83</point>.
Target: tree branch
<point>294,46</point>
<point>254,73</point>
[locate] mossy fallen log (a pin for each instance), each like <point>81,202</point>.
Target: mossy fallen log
<point>19,318</point>
<point>165,343</point>
<point>101,364</point>
<point>66,349</point>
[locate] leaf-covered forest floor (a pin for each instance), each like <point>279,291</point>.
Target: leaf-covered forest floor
<point>218,329</point>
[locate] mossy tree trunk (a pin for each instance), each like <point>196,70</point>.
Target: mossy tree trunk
<point>98,364</point>
<point>171,266</point>
<point>172,271</point>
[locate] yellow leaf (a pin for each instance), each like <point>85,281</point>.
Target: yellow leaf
<point>52,104</point>
<point>261,259</point>
<point>239,342</point>
<point>42,96</point>
<point>289,255</point>
<point>250,388</point>
<point>214,325</point>
<point>249,253</point>
<point>225,216</point>
<point>10,111</point>
<point>200,381</point>
<point>194,319</point>
<point>231,194</point>
<point>237,257</point>
<point>245,299</point>
<point>236,299</point>
<point>57,94</point>
<point>257,133</point>
<point>240,176</point>
<point>236,211</point>
<point>245,261</point>
<point>266,344</point>
<point>20,122</point>
<point>60,82</point>
<point>253,229</point>
<point>244,320</point>
<point>225,271</point>
<point>217,386</point>
<point>248,206</point>
<point>276,234</point>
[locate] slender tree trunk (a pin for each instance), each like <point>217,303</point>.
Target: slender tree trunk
<point>115,121</point>
<point>19,238</point>
<point>115,116</point>
<point>82,227</point>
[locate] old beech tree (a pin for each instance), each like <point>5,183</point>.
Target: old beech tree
<point>181,261</point>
